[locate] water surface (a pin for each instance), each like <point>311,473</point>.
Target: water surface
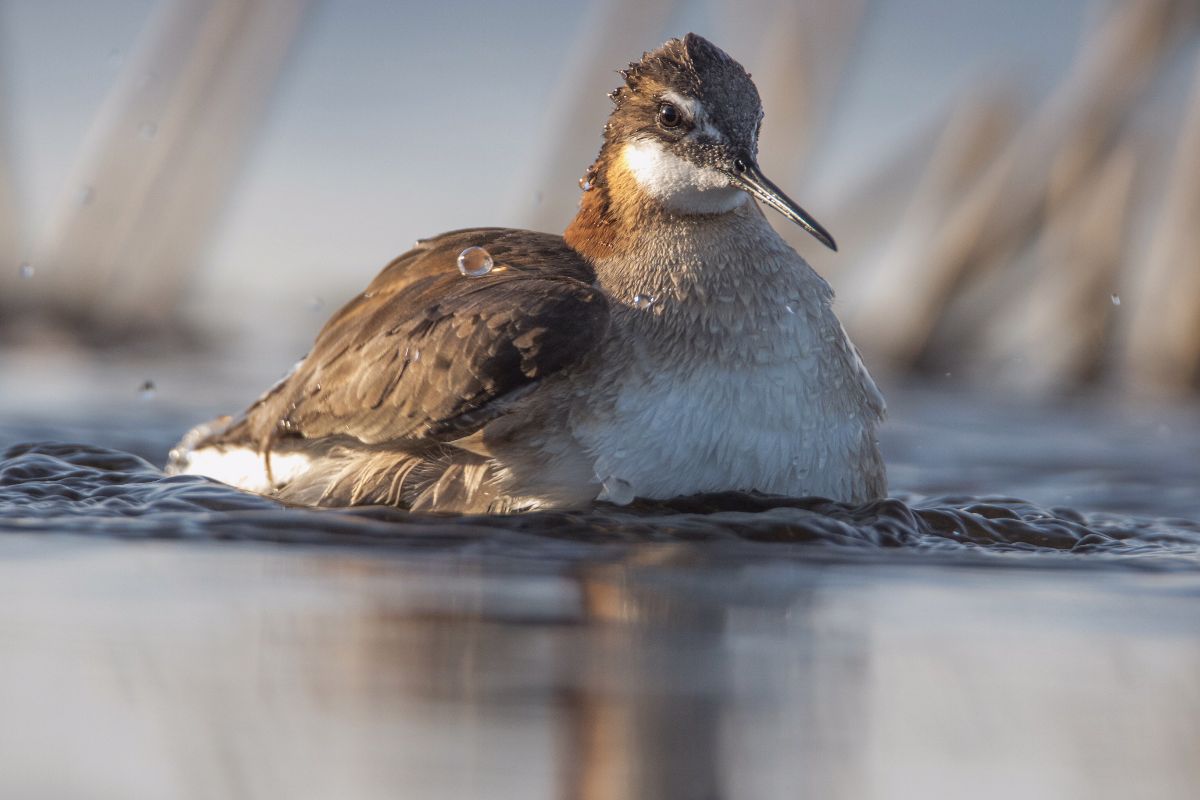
<point>171,637</point>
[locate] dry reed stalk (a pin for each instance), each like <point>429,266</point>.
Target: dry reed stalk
<point>161,159</point>
<point>968,140</point>
<point>614,32</point>
<point>11,243</point>
<point>1053,334</point>
<point>1161,353</point>
<point>799,65</point>
<point>875,202</point>
<point>904,292</point>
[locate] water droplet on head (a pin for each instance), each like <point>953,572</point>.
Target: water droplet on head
<point>1116,299</point>
<point>474,262</point>
<point>148,130</point>
<point>644,301</point>
<point>25,270</point>
<point>617,491</point>
<point>147,390</point>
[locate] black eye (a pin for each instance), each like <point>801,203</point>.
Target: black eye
<point>669,116</point>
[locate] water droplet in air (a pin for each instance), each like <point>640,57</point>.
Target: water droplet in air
<point>147,390</point>
<point>1116,299</point>
<point>474,262</point>
<point>616,491</point>
<point>315,304</point>
<point>148,130</point>
<point>644,301</point>
<point>25,270</point>
<point>85,195</point>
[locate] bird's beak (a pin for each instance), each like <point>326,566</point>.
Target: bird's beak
<point>746,175</point>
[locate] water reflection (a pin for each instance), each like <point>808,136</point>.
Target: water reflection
<point>720,647</point>
<point>264,672</point>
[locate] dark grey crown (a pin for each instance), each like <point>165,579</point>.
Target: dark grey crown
<point>694,66</point>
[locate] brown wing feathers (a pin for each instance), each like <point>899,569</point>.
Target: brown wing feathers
<point>427,355</point>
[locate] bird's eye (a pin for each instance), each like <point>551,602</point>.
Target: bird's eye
<point>669,116</point>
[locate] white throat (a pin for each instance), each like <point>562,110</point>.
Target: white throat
<point>678,184</point>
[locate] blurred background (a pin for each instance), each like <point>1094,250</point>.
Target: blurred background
<point>1015,185</point>
<point>189,188</point>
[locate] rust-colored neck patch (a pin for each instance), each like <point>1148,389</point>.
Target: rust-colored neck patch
<point>614,212</point>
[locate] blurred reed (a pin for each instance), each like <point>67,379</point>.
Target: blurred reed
<point>157,168</point>
<point>1039,249</point>
<point>1010,258</point>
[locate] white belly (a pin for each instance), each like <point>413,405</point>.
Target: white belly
<point>784,428</point>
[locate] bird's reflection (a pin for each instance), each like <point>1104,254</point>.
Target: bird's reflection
<point>275,672</point>
<point>654,684</point>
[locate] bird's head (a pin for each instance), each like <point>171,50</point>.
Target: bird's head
<point>685,131</point>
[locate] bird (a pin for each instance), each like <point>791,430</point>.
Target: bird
<point>668,343</point>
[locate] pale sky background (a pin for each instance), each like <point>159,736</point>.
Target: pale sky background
<point>398,120</point>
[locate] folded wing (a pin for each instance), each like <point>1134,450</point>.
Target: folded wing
<point>428,355</point>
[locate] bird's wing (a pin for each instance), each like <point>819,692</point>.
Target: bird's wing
<point>427,354</point>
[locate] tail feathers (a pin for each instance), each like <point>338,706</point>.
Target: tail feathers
<point>324,474</point>
<point>447,479</point>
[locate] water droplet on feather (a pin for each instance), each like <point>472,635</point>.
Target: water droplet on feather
<point>475,262</point>
<point>643,301</point>
<point>588,181</point>
<point>616,491</point>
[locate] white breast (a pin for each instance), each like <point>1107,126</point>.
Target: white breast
<point>795,415</point>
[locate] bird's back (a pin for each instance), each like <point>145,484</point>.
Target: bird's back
<point>428,354</point>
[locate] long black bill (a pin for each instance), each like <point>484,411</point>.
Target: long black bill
<point>747,176</point>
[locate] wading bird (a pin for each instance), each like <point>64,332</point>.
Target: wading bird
<point>668,343</point>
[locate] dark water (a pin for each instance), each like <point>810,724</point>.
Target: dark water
<point>171,637</point>
<point>85,489</point>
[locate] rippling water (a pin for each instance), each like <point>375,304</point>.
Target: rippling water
<point>160,640</point>
<point>52,487</point>
<point>1119,492</point>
